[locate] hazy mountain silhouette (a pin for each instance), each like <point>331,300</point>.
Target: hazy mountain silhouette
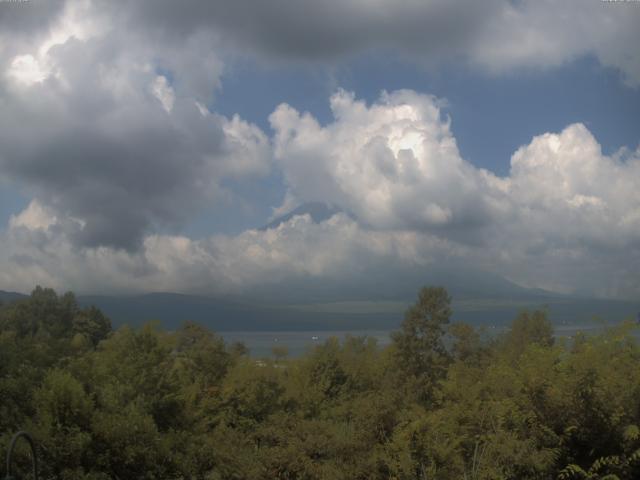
<point>318,211</point>
<point>225,314</point>
<point>373,298</point>
<point>245,313</point>
<point>8,297</point>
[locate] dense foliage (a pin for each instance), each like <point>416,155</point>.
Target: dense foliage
<point>443,401</point>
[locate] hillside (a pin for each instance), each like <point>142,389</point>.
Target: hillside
<point>8,297</point>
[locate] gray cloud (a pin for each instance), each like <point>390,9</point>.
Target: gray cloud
<point>108,129</point>
<point>29,18</point>
<point>496,35</point>
<point>566,218</point>
<point>103,122</point>
<point>320,30</point>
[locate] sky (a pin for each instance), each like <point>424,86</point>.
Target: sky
<point>143,144</point>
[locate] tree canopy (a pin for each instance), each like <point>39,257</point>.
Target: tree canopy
<point>443,401</point>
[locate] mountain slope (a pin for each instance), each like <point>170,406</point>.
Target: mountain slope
<point>318,211</point>
<point>224,314</point>
<point>8,297</point>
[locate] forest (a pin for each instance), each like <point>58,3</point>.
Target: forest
<point>443,401</point>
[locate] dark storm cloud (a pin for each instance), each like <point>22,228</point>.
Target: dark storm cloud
<point>119,185</point>
<point>318,30</point>
<point>91,129</point>
<point>496,35</point>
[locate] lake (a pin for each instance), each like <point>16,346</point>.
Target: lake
<point>261,343</point>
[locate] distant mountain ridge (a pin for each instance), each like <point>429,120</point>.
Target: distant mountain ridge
<point>373,299</point>
<point>247,314</point>
<point>8,297</point>
<point>226,314</point>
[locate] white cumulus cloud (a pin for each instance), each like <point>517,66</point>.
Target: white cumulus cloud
<point>394,164</point>
<point>566,218</point>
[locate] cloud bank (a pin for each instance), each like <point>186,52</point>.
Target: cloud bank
<point>494,35</point>
<point>104,126</point>
<point>108,123</point>
<point>567,217</point>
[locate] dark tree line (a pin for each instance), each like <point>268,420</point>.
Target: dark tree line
<point>443,401</point>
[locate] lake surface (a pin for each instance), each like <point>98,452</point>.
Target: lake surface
<point>260,344</point>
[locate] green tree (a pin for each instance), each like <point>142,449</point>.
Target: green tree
<point>63,424</point>
<point>529,329</point>
<point>92,324</point>
<point>419,346</point>
<point>467,344</point>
